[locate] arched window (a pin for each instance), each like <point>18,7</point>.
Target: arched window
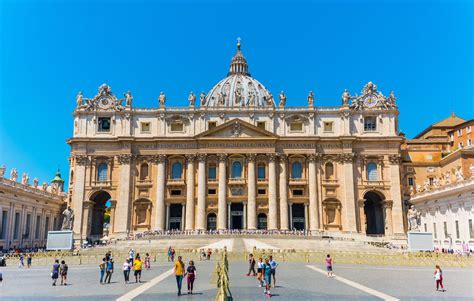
<point>176,171</point>
<point>236,170</point>
<point>212,175</point>
<point>296,170</point>
<point>329,171</point>
<point>102,172</point>
<point>143,171</point>
<point>372,172</point>
<point>261,171</point>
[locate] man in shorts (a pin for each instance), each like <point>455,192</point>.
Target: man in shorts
<point>137,267</point>
<point>273,265</point>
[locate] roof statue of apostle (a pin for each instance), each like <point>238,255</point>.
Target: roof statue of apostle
<point>202,98</point>
<point>162,99</point>
<point>128,99</point>
<point>35,182</point>
<point>269,99</point>
<point>68,219</point>
<point>25,179</point>
<point>345,98</point>
<point>79,99</point>
<point>311,99</point>
<point>13,175</point>
<point>192,99</point>
<point>282,99</point>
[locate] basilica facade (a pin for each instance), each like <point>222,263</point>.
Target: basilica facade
<point>236,158</point>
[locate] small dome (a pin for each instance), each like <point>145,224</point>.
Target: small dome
<point>239,89</point>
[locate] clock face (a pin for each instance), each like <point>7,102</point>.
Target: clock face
<point>370,101</point>
<point>104,103</point>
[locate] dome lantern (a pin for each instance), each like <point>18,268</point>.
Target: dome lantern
<point>238,65</point>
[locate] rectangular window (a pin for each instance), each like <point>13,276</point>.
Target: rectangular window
<point>28,226</point>
<point>212,173</point>
<point>261,172</point>
<point>459,133</point>
<point>457,229</point>
<point>175,192</point>
<point>471,230</point>
<point>297,192</point>
<point>370,124</point>
<point>104,124</point>
<point>211,191</point>
<point>16,228</point>
<point>211,125</point>
<point>468,129</point>
<point>445,226</point>
<point>426,228</point>
<point>38,225</point>
<point>328,127</point>
<point>177,127</point>
<point>3,231</point>
<point>46,227</point>
<point>469,142</point>
<point>262,191</point>
<point>296,126</point>
<point>451,136</point>
<point>261,124</point>
<point>410,181</point>
<point>145,127</point>
<point>435,233</point>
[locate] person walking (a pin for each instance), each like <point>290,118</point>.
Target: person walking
<point>169,254</point>
<point>102,267</point>
<point>126,270</point>
<point>147,261</point>
<point>179,273</point>
<point>329,263</point>
<point>251,265</point>
<point>131,255</point>
<point>55,272</point>
<point>267,274</point>
<point>28,260</point>
<point>21,264</point>
<point>109,270</point>
<point>137,266</point>
<point>260,272</point>
<point>438,275</point>
<point>209,253</point>
<point>63,272</point>
<point>273,265</point>
<point>192,273</point>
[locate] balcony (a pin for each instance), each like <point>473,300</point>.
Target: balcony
<point>144,183</point>
<point>330,182</point>
<point>378,183</point>
<point>105,183</point>
<point>175,182</point>
<point>298,181</point>
<point>262,181</point>
<point>237,181</point>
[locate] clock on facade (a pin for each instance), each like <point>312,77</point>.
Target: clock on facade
<point>104,102</point>
<point>370,101</point>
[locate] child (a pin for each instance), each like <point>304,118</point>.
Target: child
<point>438,275</point>
<point>259,272</point>
<point>191,271</point>
<point>329,265</point>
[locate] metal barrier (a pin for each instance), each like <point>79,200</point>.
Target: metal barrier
<point>222,271</point>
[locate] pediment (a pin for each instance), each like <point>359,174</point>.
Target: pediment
<point>237,129</point>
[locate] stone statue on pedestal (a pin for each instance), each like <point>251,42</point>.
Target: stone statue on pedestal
<point>311,99</point>
<point>79,99</point>
<point>413,217</point>
<point>35,182</point>
<point>128,99</point>
<point>25,179</point>
<point>68,219</point>
<point>345,98</point>
<point>162,99</point>
<point>282,99</point>
<point>202,98</point>
<point>192,99</point>
<point>13,175</point>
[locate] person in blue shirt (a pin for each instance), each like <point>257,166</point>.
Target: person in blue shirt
<point>267,275</point>
<point>55,272</point>
<point>273,265</point>
<point>109,270</point>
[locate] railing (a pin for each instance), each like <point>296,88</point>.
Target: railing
<point>106,183</point>
<point>28,188</point>
<point>300,181</point>
<point>237,181</point>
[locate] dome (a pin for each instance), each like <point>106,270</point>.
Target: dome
<point>239,89</point>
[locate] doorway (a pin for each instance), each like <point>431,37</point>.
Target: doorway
<point>236,216</point>
<point>374,215</point>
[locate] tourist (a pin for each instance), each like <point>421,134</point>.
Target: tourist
<point>170,252</point>
<point>329,265</point>
<point>109,270</point>
<point>203,254</point>
<point>192,273</point>
<point>63,272</point>
<point>273,265</point>
<point>126,270</point>
<point>251,265</point>
<point>55,272</point>
<point>179,273</point>
<point>267,274</point>
<point>147,261</point>
<point>21,263</point>
<point>131,254</point>
<point>28,260</point>
<point>173,252</point>
<point>102,268</point>
<point>1,277</point>
<point>260,272</point>
<point>137,266</point>
<point>209,253</point>
<point>438,275</point>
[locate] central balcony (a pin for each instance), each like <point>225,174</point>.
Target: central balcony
<point>298,181</point>
<point>175,182</point>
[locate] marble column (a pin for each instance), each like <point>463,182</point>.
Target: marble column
<point>272,194</point>
<point>306,216</point>
<point>201,199</point>
<point>221,198</point>
<point>160,193</point>
<point>245,216</point>
<point>167,225</point>
<point>349,210</point>
<point>124,195</point>
<point>78,195</point>
<point>189,193</point>
<point>313,197</point>
<point>283,193</point>
<point>183,216</point>
<point>229,226</point>
<point>252,196</point>
<point>290,209</point>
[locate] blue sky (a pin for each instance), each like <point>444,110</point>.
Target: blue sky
<point>49,50</point>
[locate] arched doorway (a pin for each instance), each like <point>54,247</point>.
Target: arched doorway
<point>211,221</point>
<point>374,216</point>
<point>262,221</point>
<point>100,214</point>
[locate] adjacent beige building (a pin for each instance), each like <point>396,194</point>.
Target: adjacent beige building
<point>236,158</point>
<point>28,210</point>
